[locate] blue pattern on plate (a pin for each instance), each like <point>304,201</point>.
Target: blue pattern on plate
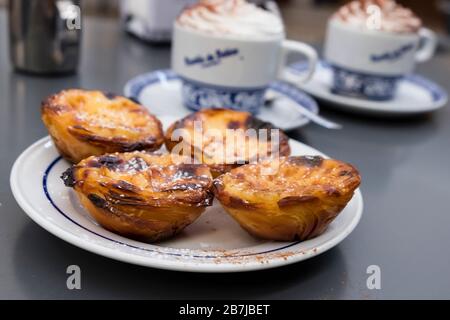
<point>197,96</point>
<point>362,85</point>
<point>136,85</point>
<point>436,92</point>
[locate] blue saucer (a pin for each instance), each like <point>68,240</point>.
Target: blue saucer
<point>161,92</point>
<point>415,94</point>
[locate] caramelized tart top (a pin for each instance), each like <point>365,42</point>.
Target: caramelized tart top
<point>289,180</point>
<point>228,137</point>
<point>141,178</point>
<point>102,118</point>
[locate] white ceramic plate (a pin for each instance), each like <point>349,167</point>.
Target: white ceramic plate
<point>415,94</point>
<point>160,91</point>
<point>213,243</point>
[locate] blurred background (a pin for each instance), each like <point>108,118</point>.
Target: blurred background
<point>305,19</point>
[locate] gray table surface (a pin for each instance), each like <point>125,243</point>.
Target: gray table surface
<point>405,228</point>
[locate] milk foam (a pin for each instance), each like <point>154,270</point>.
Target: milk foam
<point>236,18</point>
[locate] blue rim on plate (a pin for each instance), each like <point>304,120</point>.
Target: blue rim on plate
<point>437,93</point>
<point>40,165</point>
<point>136,85</point>
<point>67,216</point>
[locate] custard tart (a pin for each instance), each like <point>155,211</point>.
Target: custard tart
<point>141,195</point>
<point>224,139</point>
<point>289,198</point>
<point>91,123</point>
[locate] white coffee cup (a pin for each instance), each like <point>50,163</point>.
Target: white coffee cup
<point>369,63</point>
<point>230,71</point>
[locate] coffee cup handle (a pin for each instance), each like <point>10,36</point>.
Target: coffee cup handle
<point>429,44</point>
<point>289,47</point>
